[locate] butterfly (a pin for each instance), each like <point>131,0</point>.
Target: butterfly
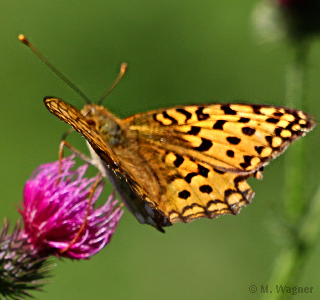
<point>186,162</point>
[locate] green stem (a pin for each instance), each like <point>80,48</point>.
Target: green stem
<point>291,260</point>
<point>298,212</point>
<point>296,76</point>
<point>295,158</point>
<point>286,272</point>
<point>310,225</point>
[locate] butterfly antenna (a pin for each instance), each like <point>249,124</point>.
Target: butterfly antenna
<point>23,39</point>
<point>123,69</point>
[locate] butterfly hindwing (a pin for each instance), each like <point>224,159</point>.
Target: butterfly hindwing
<point>191,189</point>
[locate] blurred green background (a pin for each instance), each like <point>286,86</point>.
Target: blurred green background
<point>179,52</point>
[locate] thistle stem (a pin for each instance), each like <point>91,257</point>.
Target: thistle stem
<point>296,97</point>
<point>298,211</point>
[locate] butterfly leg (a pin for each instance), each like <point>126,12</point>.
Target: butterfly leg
<point>88,160</point>
<point>82,156</point>
<point>84,224</point>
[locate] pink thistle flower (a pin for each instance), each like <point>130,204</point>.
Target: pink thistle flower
<point>54,209</point>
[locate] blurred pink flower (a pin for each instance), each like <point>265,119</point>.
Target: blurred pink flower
<point>293,19</point>
<point>302,16</point>
<point>303,4</point>
<point>54,208</point>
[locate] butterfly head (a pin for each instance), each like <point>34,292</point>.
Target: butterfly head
<point>106,123</point>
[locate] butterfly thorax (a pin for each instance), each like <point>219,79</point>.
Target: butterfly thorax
<point>105,123</point>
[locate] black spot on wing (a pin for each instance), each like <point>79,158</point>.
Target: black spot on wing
<point>256,109</point>
<point>184,194</point>
<point>259,149</point>
<point>290,125</point>
<point>203,171</point>
<point>155,118</point>
<point>194,130</point>
<point>230,153</point>
<point>189,177</point>
<point>166,116</point>
<point>207,189</point>
<point>219,124</point>
<point>248,131</point>
<point>179,160</point>
<point>204,146</point>
<point>269,140</point>
<point>201,115</point>
<point>247,162</point>
<point>272,120</point>
<point>244,120</point>
<point>227,110</point>
<point>278,131</point>
<point>184,112</point>
<point>233,140</point>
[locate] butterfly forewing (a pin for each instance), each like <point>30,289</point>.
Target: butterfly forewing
<point>130,189</point>
<point>232,137</point>
<point>182,163</point>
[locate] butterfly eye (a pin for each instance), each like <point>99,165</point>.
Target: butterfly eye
<point>91,122</point>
